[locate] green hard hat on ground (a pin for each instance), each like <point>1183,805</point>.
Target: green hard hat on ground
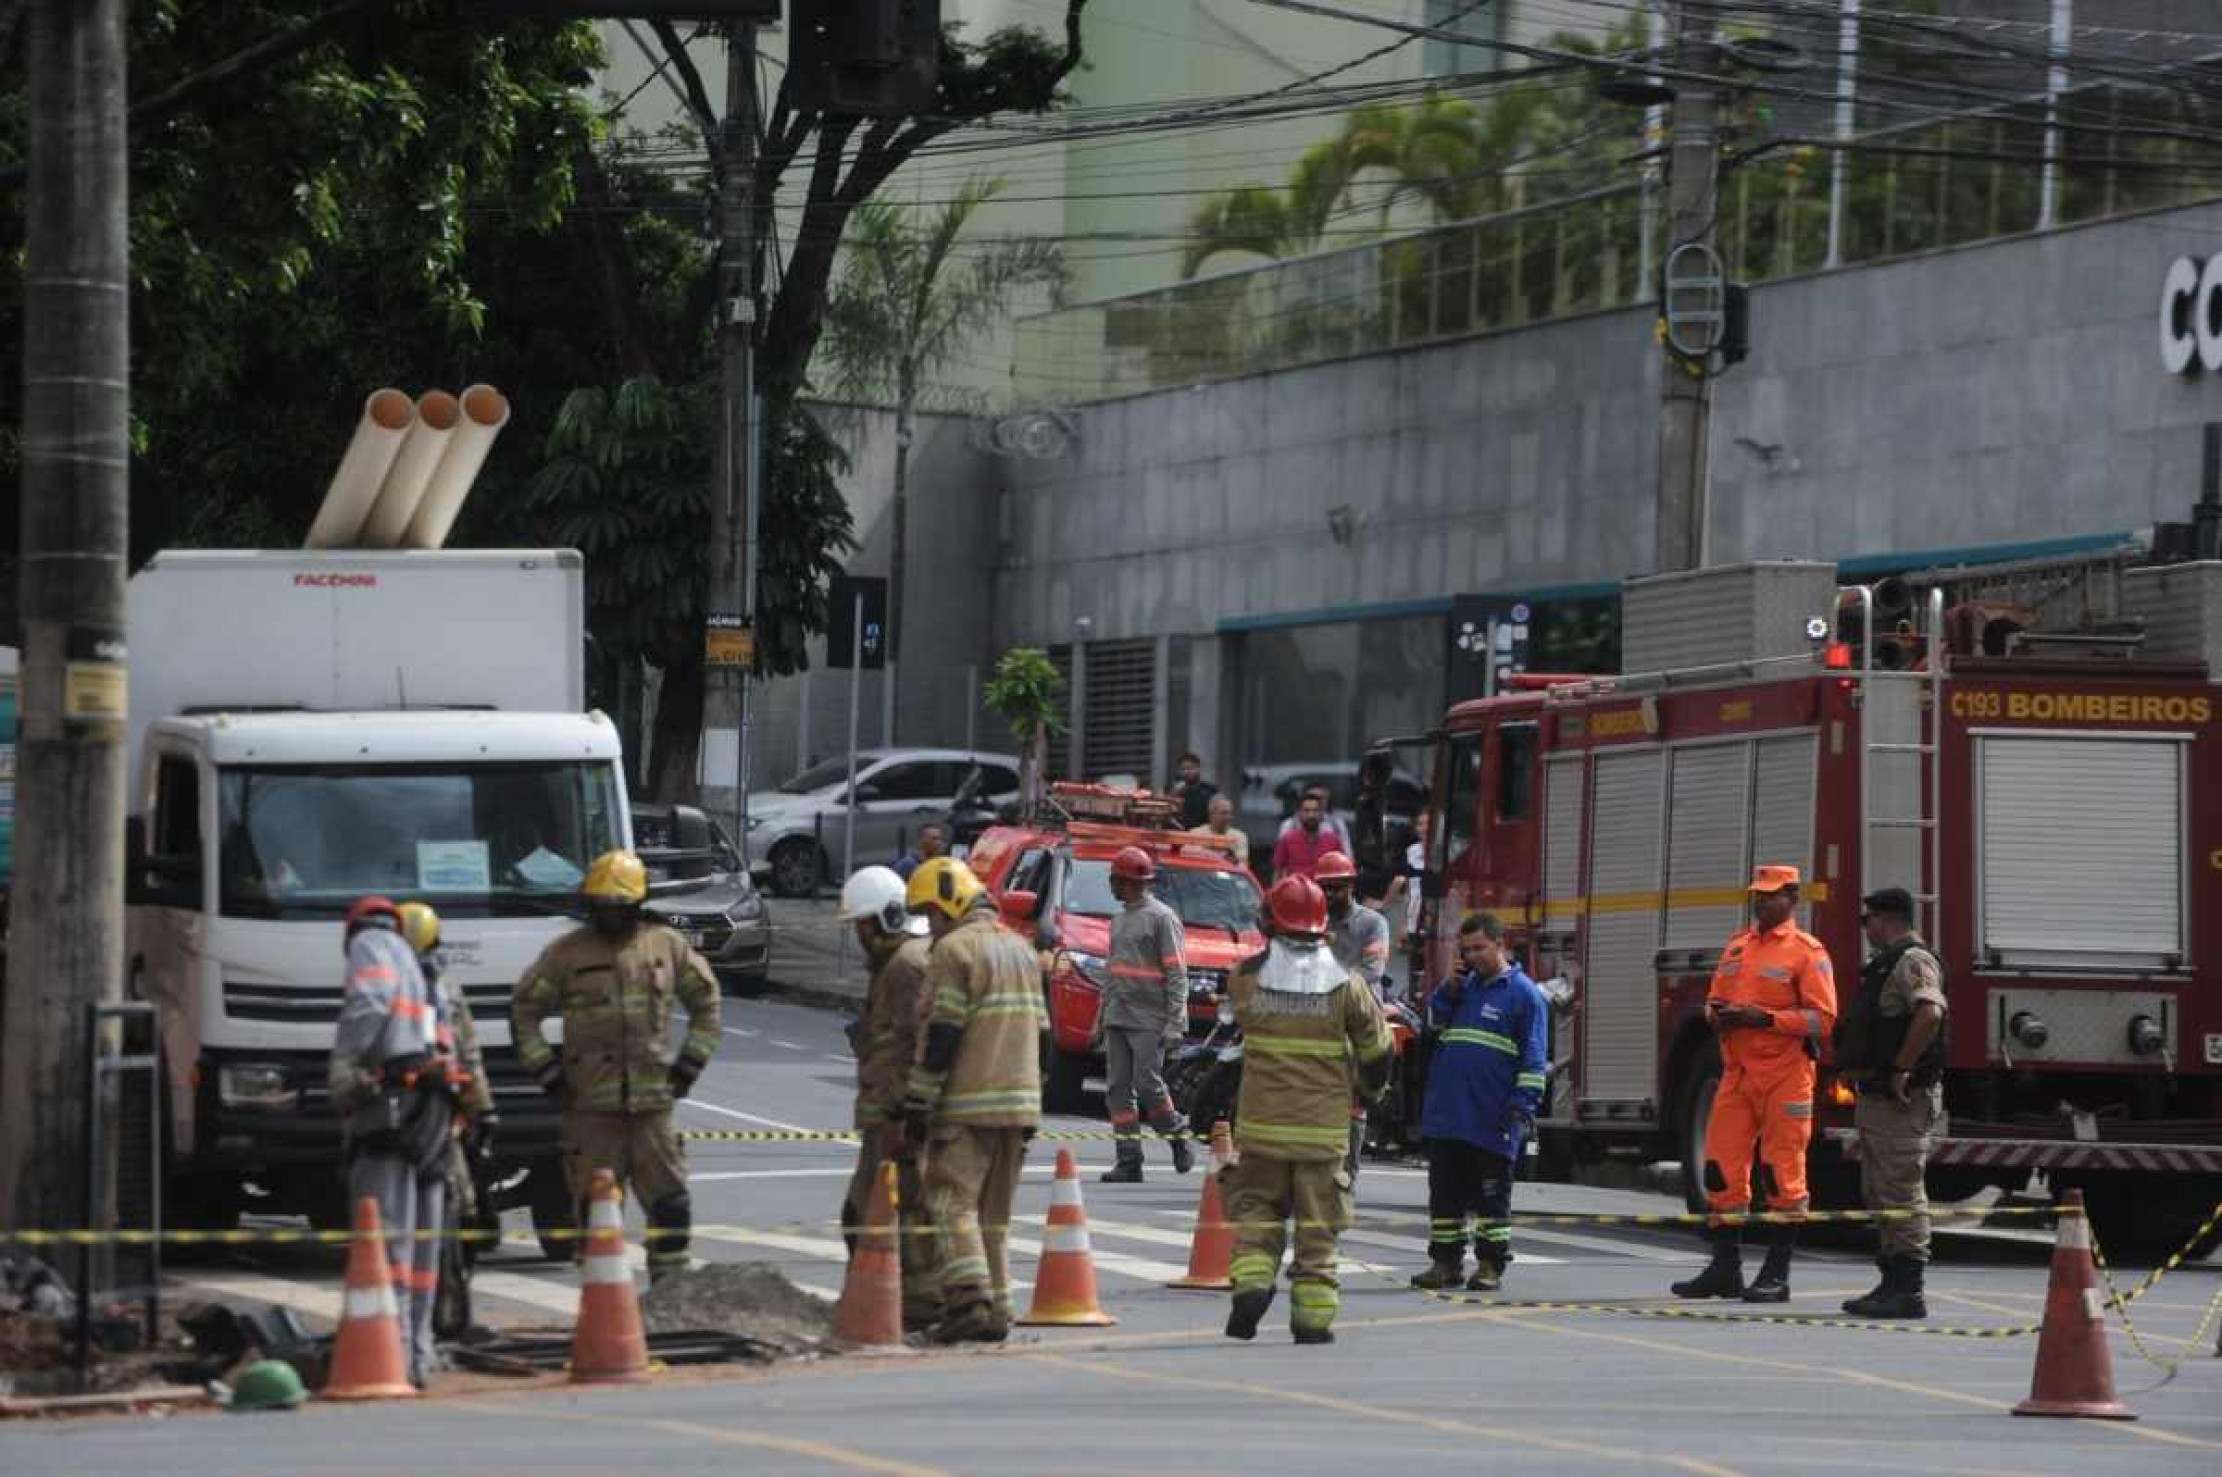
<point>268,1384</point>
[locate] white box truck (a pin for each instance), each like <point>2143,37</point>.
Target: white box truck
<point>310,727</point>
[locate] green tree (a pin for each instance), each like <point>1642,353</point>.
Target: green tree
<point>902,311</point>
<point>1027,693</point>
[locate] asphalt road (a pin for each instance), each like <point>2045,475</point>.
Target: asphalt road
<point>1413,1385</point>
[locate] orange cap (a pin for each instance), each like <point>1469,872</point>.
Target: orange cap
<point>1773,879</point>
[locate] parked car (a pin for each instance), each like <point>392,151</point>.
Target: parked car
<point>795,833</point>
<point>1052,882</point>
<point>1270,791</point>
<point>696,883</point>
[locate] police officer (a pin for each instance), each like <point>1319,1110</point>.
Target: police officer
<point>1312,1031</point>
<point>1772,1001</point>
<point>1890,1043</point>
<point>896,1006</point>
<point>1144,1011</point>
<point>615,982</point>
<point>390,1081</point>
<point>975,1095</point>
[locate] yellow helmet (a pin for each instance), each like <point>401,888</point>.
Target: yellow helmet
<point>943,882</point>
<point>615,877</point>
<point>420,926</point>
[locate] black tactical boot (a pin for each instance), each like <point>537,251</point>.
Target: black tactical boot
<point>1899,1296</point>
<point>1184,1152</point>
<point>1723,1276</point>
<point>1772,1285</point>
<point>1859,1307</point>
<point>976,1323</point>
<point>1313,1335</point>
<point>1128,1171</point>
<point>1248,1311</point>
<point>1488,1276</point>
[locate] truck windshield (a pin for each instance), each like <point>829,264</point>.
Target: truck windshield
<point>515,835</point>
<point>1203,899</point>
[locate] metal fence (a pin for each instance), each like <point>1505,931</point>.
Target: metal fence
<point>1907,191</point>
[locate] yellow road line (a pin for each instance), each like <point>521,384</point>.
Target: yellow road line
<point>1393,1416</point>
<point>820,1451</point>
<point>1906,1387</point>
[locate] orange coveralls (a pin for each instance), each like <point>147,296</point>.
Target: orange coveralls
<point>1767,1072</point>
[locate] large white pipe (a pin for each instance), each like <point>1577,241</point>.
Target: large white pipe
<point>411,473</point>
<point>485,412</point>
<point>386,417</point>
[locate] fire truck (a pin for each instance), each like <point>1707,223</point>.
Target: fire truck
<point>2031,751</point>
<point>1050,875</point>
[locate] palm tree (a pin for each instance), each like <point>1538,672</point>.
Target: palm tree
<point>898,314</point>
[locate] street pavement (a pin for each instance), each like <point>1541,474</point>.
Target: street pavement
<point>1413,1385</point>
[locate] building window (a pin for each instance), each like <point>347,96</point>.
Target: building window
<point>1485,21</point>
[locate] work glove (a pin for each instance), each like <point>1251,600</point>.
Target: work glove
<point>917,1118</point>
<point>683,1073</point>
<point>1518,1124</point>
<point>550,1078</point>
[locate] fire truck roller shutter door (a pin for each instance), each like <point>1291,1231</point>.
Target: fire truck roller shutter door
<point>1620,1046</point>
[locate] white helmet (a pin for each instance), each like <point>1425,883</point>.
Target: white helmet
<point>877,893</point>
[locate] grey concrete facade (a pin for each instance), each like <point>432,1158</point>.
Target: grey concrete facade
<point>1997,393</point>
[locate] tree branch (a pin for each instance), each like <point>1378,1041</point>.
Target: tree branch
<point>698,96</point>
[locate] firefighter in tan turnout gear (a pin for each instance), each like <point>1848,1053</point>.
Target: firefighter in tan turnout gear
<point>975,1095</point>
<point>1312,1031</point>
<point>887,1038</point>
<point>615,983</point>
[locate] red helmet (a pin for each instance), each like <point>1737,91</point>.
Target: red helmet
<point>1296,905</point>
<point>1133,864</point>
<point>1335,866</point>
<point>366,909</point>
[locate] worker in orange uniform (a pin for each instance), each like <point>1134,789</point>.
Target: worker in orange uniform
<point>1772,1002</point>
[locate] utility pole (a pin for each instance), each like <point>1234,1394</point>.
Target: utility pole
<point>732,518</point>
<point>65,951</point>
<point>1685,392</point>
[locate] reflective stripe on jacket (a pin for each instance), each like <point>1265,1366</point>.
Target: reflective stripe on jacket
<point>895,1011</point>
<point>616,997</point>
<point>1298,1056</point>
<point>986,984</point>
<point>1491,1059</point>
<point>1148,968</point>
<point>1785,972</point>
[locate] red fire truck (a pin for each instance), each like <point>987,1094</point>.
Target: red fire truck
<point>2015,751</point>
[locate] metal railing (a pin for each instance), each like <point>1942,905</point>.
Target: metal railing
<point>1940,184</point>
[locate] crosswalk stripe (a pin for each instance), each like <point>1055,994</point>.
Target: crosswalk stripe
<point>542,1295</point>
<point>1127,1230</point>
<point>1111,1261</point>
<point>817,1248</point>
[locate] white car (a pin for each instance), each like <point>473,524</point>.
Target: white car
<point>796,833</point>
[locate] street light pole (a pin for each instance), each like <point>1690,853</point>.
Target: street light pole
<point>1693,215</point>
<point>733,512</point>
<point>66,944</point>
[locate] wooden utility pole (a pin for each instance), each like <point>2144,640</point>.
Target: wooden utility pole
<point>732,517</point>
<point>1693,215</point>
<point>65,949</point>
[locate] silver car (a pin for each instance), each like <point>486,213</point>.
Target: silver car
<point>697,885</point>
<point>796,833</point>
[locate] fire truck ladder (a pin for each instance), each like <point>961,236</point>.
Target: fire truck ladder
<point>1901,764</point>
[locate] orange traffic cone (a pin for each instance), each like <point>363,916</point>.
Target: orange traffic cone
<point>2075,1373</point>
<point>1211,1251</point>
<point>869,1316</point>
<point>609,1345</point>
<point>369,1361</point>
<point>1065,1282</point>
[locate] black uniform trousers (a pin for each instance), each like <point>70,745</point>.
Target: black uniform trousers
<point>1465,1180</point>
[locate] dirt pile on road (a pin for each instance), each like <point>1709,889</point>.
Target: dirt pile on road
<point>748,1298</point>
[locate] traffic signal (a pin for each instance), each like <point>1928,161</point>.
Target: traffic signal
<point>870,58</point>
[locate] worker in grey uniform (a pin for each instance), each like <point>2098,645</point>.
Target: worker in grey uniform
<point>393,1076</point>
<point>1359,939</point>
<point>1144,1011</point>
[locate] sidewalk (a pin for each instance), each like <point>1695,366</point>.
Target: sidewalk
<point>815,959</point>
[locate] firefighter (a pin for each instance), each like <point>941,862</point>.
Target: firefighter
<point>395,1097</point>
<point>1359,938</point>
<point>1306,1022</point>
<point>1772,1002</point>
<point>473,1142</point>
<point>895,1009</point>
<point>1483,1088</point>
<point>1144,1012</point>
<point>975,1095</point>
<point>1891,1044</point>
<point>615,982</point>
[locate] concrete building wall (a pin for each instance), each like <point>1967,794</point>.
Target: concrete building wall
<point>1998,393</point>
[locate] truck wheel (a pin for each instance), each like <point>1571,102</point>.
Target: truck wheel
<point>1066,1089</point>
<point>798,866</point>
<point>1699,1086</point>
